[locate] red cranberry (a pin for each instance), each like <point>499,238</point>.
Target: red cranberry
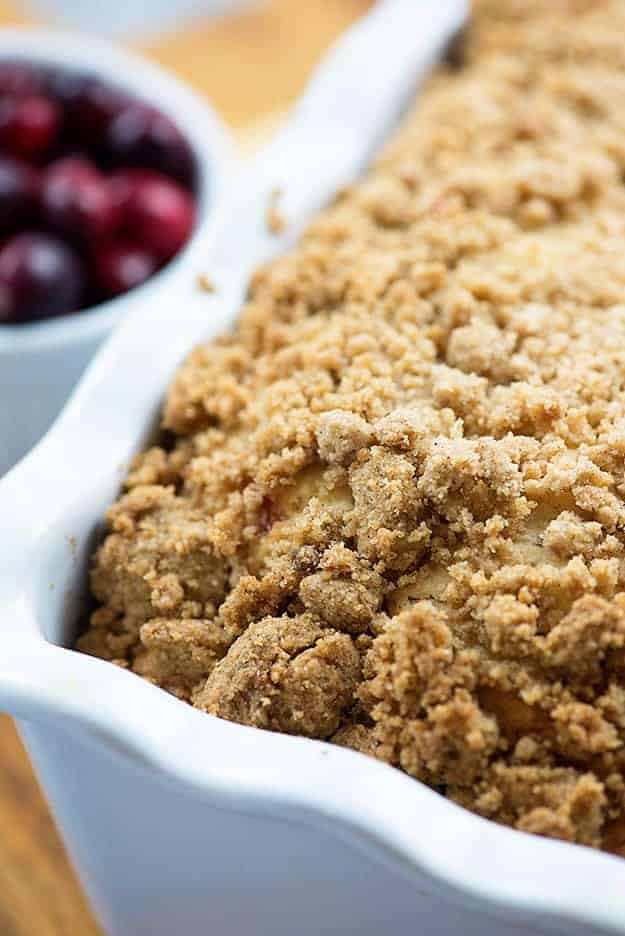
<point>77,200</point>
<point>19,191</point>
<point>18,79</point>
<point>109,234</point>
<point>122,266</point>
<point>88,104</point>
<point>141,136</point>
<point>157,212</point>
<point>40,277</point>
<point>123,183</point>
<point>28,125</point>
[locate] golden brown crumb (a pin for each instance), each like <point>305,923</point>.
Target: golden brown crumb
<point>393,512</point>
<point>276,222</point>
<point>286,674</point>
<point>206,283</point>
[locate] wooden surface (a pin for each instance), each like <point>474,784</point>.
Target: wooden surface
<point>38,892</point>
<point>251,66</point>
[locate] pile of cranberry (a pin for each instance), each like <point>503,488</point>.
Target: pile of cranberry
<point>96,191</point>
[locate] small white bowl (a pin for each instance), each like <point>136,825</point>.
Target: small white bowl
<point>40,362</point>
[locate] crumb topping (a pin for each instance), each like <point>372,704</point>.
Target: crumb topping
<point>391,509</point>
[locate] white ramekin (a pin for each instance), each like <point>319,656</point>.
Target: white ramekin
<point>181,823</point>
<point>42,361</point>
<point>133,17</point>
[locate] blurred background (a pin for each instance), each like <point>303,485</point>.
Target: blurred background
<point>251,58</point>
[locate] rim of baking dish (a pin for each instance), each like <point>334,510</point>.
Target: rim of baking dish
<point>75,471</point>
<point>194,117</point>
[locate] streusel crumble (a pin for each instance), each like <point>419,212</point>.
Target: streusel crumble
<point>393,511</point>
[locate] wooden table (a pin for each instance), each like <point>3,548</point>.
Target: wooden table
<point>251,66</point>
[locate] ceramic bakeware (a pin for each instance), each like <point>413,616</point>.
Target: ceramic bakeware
<point>41,362</point>
<point>135,17</point>
<point>178,822</point>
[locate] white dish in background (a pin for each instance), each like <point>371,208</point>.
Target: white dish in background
<point>41,362</point>
<point>140,17</point>
<point>180,822</point>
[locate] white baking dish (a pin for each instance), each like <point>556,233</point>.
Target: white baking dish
<point>180,823</point>
<point>41,362</point>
